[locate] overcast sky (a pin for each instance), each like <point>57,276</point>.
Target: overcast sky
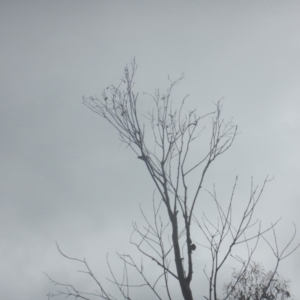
<point>65,176</point>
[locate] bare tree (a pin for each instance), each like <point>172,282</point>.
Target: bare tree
<point>165,146</point>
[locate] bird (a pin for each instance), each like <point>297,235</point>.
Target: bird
<point>143,157</point>
<point>193,247</point>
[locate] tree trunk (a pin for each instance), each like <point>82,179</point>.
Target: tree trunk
<point>185,287</point>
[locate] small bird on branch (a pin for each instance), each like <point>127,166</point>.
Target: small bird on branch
<point>144,157</point>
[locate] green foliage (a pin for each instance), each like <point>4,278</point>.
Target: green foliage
<point>256,284</point>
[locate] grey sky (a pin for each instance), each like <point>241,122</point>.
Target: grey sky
<point>64,175</point>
